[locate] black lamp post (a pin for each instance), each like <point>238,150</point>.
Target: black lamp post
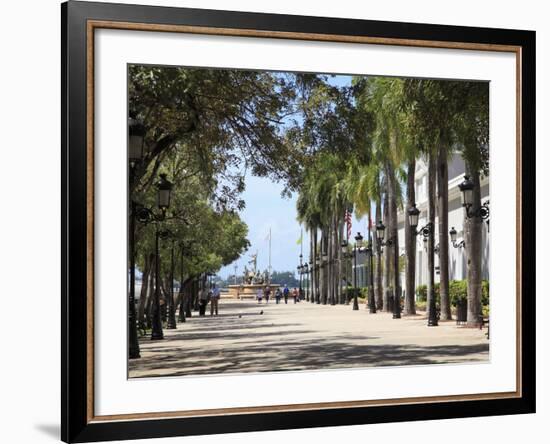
<point>324,265</point>
<point>300,291</point>
<point>171,323</point>
<point>467,189</point>
<point>357,247</point>
<point>181,315</point>
<point>380,234</point>
<point>427,232</point>
<point>306,271</point>
<point>345,256</point>
<point>136,137</point>
<point>318,279</point>
<point>145,216</point>
<point>370,254</point>
<point>452,234</point>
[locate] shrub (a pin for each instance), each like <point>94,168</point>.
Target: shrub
<point>484,293</point>
<point>458,291</point>
<point>422,293</point>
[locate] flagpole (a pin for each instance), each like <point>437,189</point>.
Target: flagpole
<point>269,266</point>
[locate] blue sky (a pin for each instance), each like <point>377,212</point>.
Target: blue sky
<point>265,209</point>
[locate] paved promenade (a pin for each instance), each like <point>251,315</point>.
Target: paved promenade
<point>303,336</point>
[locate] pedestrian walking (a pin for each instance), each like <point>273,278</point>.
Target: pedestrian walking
<point>295,294</point>
<point>285,293</point>
<point>259,295</point>
<point>203,301</point>
<point>277,295</point>
<point>267,293</point>
<point>214,301</point>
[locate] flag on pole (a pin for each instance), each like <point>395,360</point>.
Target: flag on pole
<point>347,218</point>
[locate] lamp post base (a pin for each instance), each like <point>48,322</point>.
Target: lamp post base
<point>156,335</point>
<point>171,323</point>
<point>133,353</point>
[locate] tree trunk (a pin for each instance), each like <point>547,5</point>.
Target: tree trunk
<point>410,244</point>
<point>312,260</point>
<point>341,264</point>
<point>151,293</point>
<point>144,291</point>
<point>330,264</point>
<point>394,248</point>
<point>443,220</point>
<point>473,250</point>
<point>317,291</point>
<point>335,270</point>
<point>379,295</point>
<point>324,267</point>
<point>431,240</point>
<point>387,260</point>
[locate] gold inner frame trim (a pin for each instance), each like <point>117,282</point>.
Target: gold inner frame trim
<point>98,24</point>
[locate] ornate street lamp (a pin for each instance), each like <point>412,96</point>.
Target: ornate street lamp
<point>427,232</point>
<point>357,247</point>
<point>146,215</point>
<point>467,189</point>
<point>164,192</point>
<point>452,234</point>
<point>380,232</point>
<point>136,136</point>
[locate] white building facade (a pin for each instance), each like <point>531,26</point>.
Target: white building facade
<point>457,256</point>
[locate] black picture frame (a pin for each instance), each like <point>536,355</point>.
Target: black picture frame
<point>76,423</point>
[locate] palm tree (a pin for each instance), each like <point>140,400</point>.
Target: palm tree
<point>384,99</point>
<point>473,135</point>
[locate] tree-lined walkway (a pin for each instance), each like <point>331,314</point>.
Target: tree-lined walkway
<point>302,336</point>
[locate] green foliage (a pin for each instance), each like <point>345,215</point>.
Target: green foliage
<point>285,277</point>
<point>458,290</point>
<point>422,293</point>
<point>485,293</point>
<point>337,147</point>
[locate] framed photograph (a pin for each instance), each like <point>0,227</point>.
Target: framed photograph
<point>275,221</point>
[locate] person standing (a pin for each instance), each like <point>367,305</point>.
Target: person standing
<point>285,293</point>
<point>267,293</point>
<point>214,300</point>
<point>277,295</point>
<point>203,301</point>
<point>259,295</point>
<point>295,294</point>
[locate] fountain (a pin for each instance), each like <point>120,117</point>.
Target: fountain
<point>252,281</point>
